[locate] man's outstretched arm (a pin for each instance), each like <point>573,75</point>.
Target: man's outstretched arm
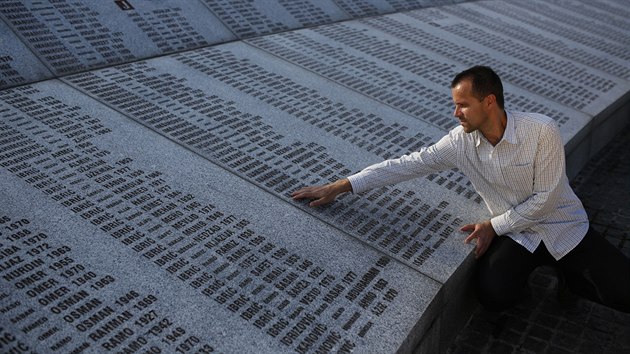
<point>323,194</point>
<point>438,157</point>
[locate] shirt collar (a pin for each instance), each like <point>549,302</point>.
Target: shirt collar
<point>510,129</point>
<point>509,134</point>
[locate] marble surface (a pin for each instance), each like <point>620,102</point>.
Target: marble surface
<point>148,151</point>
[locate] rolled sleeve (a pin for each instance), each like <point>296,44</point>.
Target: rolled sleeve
<point>357,183</point>
<point>501,224</point>
<point>435,158</point>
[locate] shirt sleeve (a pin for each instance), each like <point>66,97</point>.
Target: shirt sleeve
<point>549,173</point>
<point>438,157</point>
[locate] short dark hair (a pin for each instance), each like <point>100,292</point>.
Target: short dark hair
<point>484,82</point>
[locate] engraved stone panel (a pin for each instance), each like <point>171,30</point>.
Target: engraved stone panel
<point>363,8</point>
<point>284,134</point>
<point>412,73</point>
<point>146,202</point>
<point>259,17</point>
<point>453,38</point>
<point>70,36</point>
<point>18,65</point>
<point>115,239</point>
<point>540,43</point>
<point>573,43</point>
<point>573,18</point>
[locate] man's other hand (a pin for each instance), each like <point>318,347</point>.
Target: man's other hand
<point>483,232</point>
<point>323,194</point>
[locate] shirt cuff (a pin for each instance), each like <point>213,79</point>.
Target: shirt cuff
<point>501,224</point>
<point>357,183</point>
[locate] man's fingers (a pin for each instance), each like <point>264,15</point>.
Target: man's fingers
<point>317,202</point>
<point>300,195</point>
<point>468,227</point>
<point>483,233</point>
<point>471,237</point>
<point>481,248</point>
<point>308,192</point>
<point>322,194</point>
<point>318,194</point>
<point>301,191</point>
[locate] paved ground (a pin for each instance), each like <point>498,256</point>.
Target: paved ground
<point>544,325</point>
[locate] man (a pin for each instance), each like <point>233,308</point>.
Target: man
<point>516,163</point>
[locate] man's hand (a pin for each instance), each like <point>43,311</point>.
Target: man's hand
<point>483,232</point>
<point>323,194</point>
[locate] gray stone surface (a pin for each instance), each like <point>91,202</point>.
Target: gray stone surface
<point>112,213</point>
<point>554,57</point>
<point>70,37</point>
<point>17,64</point>
<point>393,60</point>
<point>306,150</point>
<point>76,36</point>
<point>259,17</point>
<point>364,8</point>
<point>161,187</point>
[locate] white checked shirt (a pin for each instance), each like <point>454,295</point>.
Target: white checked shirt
<point>522,180</point>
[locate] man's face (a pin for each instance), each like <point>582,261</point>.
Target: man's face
<point>471,112</point>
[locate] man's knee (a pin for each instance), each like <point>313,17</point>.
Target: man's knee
<point>598,271</point>
<point>498,298</point>
<point>498,291</point>
<point>620,299</point>
<point>502,273</point>
<point>623,307</point>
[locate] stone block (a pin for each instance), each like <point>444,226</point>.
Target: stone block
<point>73,36</point>
<point>146,206</point>
<point>287,132</point>
<point>260,17</point>
<point>18,65</point>
<point>116,238</point>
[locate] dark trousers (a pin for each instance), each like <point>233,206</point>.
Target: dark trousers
<point>594,269</point>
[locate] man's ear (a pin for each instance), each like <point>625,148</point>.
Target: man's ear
<point>490,100</point>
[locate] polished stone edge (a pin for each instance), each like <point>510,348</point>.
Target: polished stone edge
<point>599,131</point>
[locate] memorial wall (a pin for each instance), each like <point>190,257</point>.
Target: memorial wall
<point>148,150</point>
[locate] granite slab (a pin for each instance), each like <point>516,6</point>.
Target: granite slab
<point>392,60</point>
<point>260,17</point>
<point>146,201</point>
<point>114,238</point>
<point>364,8</point>
<point>18,65</point>
<point>292,128</point>
<point>581,86</point>
<point>575,43</point>
<point>76,36</point>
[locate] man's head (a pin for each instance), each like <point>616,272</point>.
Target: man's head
<point>484,82</point>
<point>478,97</point>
